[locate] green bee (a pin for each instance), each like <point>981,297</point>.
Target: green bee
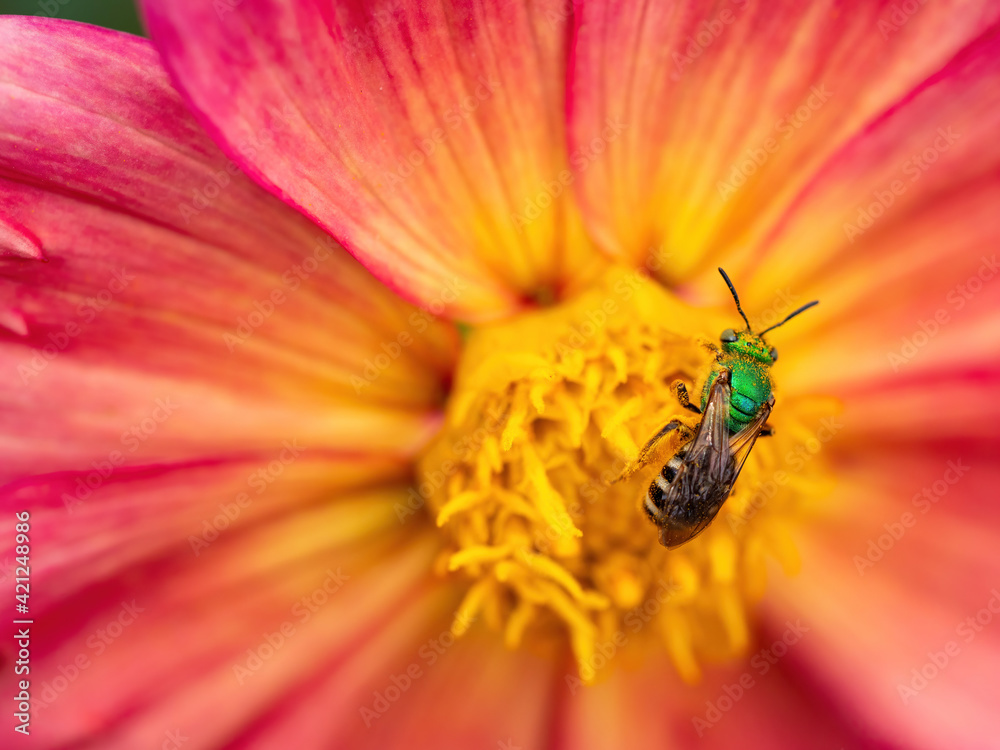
<point>748,358</point>
<point>736,402</point>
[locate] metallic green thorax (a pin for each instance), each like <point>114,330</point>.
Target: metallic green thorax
<point>747,356</point>
<point>749,360</point>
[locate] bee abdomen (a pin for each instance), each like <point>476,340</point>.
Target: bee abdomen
<point>654,498</point>
<point>670,469</point>
<point>658,488</point>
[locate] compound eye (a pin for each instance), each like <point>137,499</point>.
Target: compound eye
<point>728,336</point>
<point>774,354</point>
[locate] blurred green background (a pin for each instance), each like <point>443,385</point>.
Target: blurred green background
<point>117,14</point>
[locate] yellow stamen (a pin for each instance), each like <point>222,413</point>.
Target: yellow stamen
<point>547,410</point>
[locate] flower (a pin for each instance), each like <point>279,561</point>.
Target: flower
<point>265,502</point>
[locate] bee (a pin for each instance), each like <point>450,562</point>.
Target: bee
<point>736,402</point>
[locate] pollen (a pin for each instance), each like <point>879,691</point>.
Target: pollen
<point>547,411</point>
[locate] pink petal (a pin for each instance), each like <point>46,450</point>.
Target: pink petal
<point>702,87</point>
<point>949,404</point>
<point>88,526</point>
<point>889,581</point>
<point>171,646</point>
<point>152,333</point>
<point>17,241</point>
<point>906,332</point>
<point>469,692</point>
<point>414,133</point>
<point>935,154</point>
<point>754,704</point>
<point>909,294</point>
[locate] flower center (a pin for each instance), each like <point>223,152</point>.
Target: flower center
<point>547,411</point>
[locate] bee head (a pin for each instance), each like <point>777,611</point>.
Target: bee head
<point>747,343</point>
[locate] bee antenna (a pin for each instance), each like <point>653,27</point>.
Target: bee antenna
<point>801,309</point>
<point>737,298</point>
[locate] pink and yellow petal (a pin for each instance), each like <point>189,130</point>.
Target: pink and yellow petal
<point>905,207</point>
<point>651,708</point>
<point>911,548</point>
<point>955,404</point>
<point>908,378</point>
<point>466,692</point>
<point>351,682</point>
<point>303,594</point>
<point>729,110</point>
<point>224,304</point>
<point>91,525</point>
<point>131,419</point>
<point>901,231</point>
<point>423,137</point>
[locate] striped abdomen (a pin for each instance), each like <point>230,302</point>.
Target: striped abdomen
<point>658,488</point>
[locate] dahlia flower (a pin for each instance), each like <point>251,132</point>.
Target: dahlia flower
<point>328,326</point>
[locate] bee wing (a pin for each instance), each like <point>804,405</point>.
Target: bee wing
<point>704,478</point>
<point>742,441</point>
<point>711,445</point>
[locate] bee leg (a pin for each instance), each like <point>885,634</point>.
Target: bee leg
<point>710,345</point>
<point>766,431</point>
<point>643,458</point>
<point>682,395</point>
